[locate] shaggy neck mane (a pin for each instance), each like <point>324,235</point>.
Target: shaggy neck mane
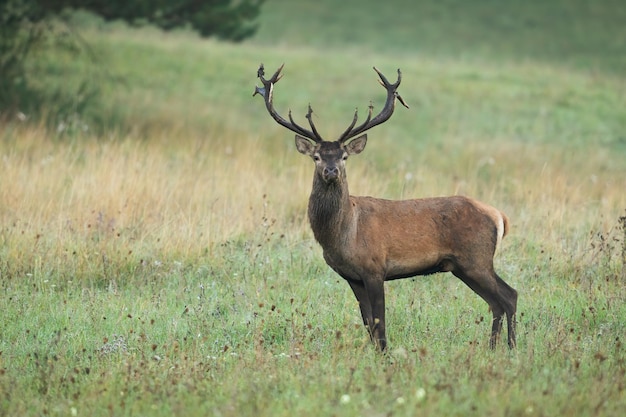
<point>329,207</point>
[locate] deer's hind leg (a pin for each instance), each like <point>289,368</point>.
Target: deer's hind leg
<point>502,299</point>
<point>508,300</point>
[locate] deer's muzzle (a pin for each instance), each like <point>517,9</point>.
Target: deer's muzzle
<point>330,174</point>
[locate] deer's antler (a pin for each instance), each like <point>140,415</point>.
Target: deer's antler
<point>267,91</point>
<point>385,113</point>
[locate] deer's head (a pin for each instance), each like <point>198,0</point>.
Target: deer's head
<point>330,156</point>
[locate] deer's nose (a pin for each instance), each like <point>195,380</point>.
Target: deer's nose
<point>330,173</point>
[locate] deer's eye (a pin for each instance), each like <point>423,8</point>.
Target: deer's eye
<point>316,158</point>
<point>344,157</point>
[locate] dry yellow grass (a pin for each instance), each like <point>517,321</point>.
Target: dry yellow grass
<point>183,195</point>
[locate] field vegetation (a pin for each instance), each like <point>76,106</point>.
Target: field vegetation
<point>155,255</point>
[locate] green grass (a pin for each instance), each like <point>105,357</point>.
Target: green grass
<point>155,257</point>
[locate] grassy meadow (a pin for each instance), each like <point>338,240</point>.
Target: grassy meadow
<point>156,258</point>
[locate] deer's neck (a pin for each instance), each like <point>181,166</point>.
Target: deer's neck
<point>330,212</point>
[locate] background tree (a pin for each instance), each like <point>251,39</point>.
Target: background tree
<point>24,24</point>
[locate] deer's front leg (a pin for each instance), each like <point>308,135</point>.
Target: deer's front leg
<point>358,288</point>
<point>375,289</point>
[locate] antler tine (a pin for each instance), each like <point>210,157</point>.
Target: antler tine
<point>384,114</point>
<point>349,133</point>
<point>274,79</point>
<point>354,119</point>
<point>385,83</point>
<point>309,116</point>
<point>383,80</point>
<point>267,91</point>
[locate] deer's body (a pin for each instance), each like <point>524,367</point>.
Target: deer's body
<point>401,239</point>
<point>368,241</point>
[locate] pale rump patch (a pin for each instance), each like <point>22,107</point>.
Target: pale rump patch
<point>499,218</point>
<point>500,226</point>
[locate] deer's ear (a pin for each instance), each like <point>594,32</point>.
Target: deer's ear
<point>357,145</point>
<point>304,146</point>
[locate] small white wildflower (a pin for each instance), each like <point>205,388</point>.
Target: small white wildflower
<point>487,160</point>
<point>345,399</point>
<point>400,352</point>
<point>420,394</point>
<point>400,400</point>
<point>73,411</point>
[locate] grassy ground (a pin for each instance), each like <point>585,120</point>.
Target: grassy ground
<point>166,266</point>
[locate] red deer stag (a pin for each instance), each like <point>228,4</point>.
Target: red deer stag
<point>368,241</point>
